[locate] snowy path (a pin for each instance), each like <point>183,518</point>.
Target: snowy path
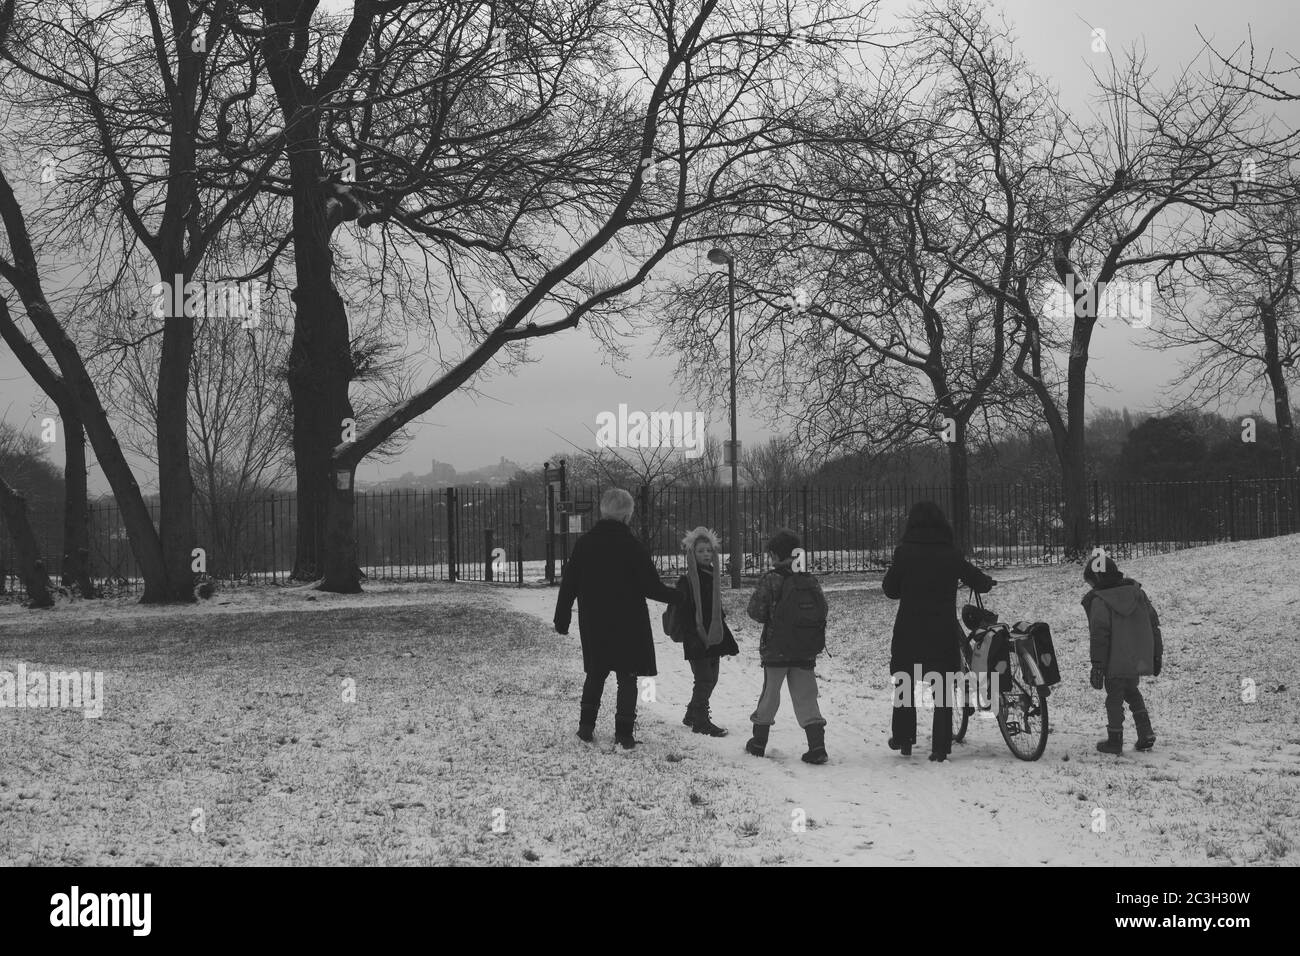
<point>869,805</point>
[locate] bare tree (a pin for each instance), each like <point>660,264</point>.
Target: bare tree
<point>125,95</point>
<point>1144,188</point>
<point>859,328</point>
<point>238,420</point>
<point>575,177</point>
<point>1248,331</point>
<point>775,464</point>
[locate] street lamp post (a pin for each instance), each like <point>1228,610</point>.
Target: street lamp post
<point>721,257</point>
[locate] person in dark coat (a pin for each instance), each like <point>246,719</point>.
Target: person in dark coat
<point>924,578</point>
<point>705,639</point>
<point>610,574</point>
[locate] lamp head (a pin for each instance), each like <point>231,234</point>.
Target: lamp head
<point>719,256</point>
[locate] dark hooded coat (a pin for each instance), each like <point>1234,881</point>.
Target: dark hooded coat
<point>924,578</point>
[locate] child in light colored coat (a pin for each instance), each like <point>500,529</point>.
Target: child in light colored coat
<point>1126,645</point>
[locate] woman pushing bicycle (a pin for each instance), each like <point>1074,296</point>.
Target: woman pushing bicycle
<point>924,578</point>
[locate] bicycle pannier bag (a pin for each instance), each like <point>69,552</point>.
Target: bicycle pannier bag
<point>1038,644</point>
<point>991,654</point>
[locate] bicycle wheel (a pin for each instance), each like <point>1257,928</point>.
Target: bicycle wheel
<point>962,708</point>
<point>1022,712</point>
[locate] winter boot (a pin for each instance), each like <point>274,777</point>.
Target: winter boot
<point>1146,736</point>
<point>703,725</point>
<point>691,716</point>
<point>905,748</point>
<point>623,734</point>
<point>757,744</point>
<point>1114,742</point>
<point>816,744</point>
<point>586,726</point>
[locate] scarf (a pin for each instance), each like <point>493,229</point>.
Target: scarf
<point>712,637</point>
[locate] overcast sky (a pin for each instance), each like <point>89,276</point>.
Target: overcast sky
<point>555,401</point>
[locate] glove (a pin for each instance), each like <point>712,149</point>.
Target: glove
<point>1097,678</point>
<point>1155,671</point>
<point>561,627</point>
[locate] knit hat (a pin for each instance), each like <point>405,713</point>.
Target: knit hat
<point>1108,577</point>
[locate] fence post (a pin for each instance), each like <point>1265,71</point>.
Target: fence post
<point>1232,509</point>
<point>805,535</point>
<point>275,566</point>
<point>1096,513</point>
<point>519,551</point>
<point>550,526</point>
<point>566,498</point>
<point>643,505</point>
<point>487,550</point>
<point>452,514</point>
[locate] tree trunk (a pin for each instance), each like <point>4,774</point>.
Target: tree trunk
<point>320,373</point>
<point>175,482</point>
<point>76,518</point>
<point>320,367</point>
<point>959,478</point>
<point>1281,393</point>
<point>1281,411</point>
<point>1074,488</point>
<point>26,551</point>
<point>341,572</point>
<point>1074,459</point>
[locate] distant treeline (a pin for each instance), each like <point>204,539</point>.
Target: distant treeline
<point>1186,446</point>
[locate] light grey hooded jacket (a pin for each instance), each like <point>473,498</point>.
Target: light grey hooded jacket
<point>1125,630</point>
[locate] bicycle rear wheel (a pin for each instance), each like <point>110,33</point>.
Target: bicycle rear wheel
<point>962,708</point>
<point>1022,712</point>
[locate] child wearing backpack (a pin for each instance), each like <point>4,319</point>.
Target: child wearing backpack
<point>792,609</point>
<point>1125,645</point>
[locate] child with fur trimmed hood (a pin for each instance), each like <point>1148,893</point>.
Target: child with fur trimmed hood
<point>699,625</point>
<point>1126,644</point>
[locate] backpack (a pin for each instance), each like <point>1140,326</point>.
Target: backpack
<point>670,623</point>
<point>797,628</point>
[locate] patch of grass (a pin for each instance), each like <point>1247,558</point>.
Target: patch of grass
<point>1277,846</point>
<point>344,735</point>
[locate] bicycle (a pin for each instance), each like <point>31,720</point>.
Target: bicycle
<point>1022,696</point>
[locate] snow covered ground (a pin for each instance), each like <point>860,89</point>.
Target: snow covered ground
<point>459,746</point>
<point>1221,786</point>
